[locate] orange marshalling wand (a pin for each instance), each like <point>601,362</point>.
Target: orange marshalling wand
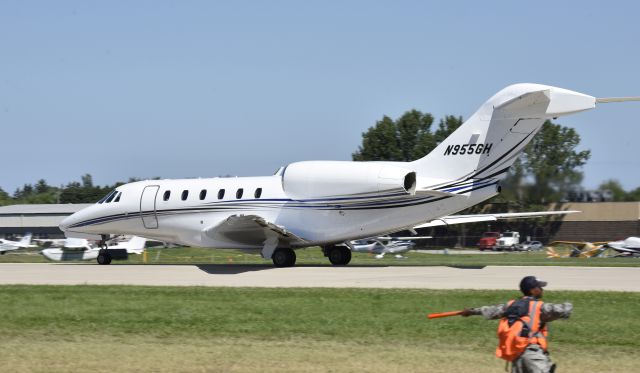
<point>444,314</point>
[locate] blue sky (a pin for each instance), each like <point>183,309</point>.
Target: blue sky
<point>198,89</point>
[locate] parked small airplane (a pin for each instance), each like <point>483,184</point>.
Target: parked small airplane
<point>50,242</point>
<point>80,249</point>
<point>73,249</point>
<point>328,203</point>
<point>385,245</point>
<point>627,247</point>
<point>576,249</point>
<point>8,245</point>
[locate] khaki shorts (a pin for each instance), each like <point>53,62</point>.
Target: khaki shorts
<point>533,360</point>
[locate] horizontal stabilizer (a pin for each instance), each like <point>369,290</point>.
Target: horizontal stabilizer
<point>462,219</point>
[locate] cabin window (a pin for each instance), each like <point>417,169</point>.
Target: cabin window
<point>258,193</point>
<point>185,194</point>
<point>167,194</point>
<point>111,197</point>
<point>239,193</point>
<point>221,194</point>
<point>203,194</point>
<point>118,197</point>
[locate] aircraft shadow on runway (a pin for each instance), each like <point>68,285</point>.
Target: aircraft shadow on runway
<point>233,269</point>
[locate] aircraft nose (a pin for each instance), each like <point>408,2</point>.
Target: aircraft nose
<point>64,224</point>
<point>68,221</point>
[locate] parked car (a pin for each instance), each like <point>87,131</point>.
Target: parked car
<point>530,246</point>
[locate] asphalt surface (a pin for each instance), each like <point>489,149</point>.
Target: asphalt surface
<point>490,277</point>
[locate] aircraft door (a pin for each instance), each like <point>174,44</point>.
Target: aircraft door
<point>148,207</point>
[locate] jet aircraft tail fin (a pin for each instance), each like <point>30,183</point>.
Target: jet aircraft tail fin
<point>483,148</point>
<point>136,243</point>
<point>26,240</point>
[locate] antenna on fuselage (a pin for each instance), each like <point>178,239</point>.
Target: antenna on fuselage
<point>606,100</point>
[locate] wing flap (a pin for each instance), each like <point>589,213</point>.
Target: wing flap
<point>251,230</point>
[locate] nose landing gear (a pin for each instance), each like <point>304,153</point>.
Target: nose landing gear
<point>104,257</point>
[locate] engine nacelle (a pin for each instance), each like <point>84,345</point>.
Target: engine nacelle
<point>318,179</point>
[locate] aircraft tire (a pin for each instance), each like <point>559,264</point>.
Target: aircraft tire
<point>339,255</point>
<point>284,257</point>
<point>104,258</point>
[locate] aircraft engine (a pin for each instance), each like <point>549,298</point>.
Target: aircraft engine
<point>318,179</point>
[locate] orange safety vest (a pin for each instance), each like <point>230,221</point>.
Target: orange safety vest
<point>526,330</point>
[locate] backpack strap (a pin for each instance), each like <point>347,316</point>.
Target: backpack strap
<point>532,318</point>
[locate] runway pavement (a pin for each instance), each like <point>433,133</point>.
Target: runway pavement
<point>491,277</point>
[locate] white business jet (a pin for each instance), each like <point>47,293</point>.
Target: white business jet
<point>328,203</point>
<point>8,245</point>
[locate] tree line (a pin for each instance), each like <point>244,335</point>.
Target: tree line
<point>83,191</point>
<point>619,193</point>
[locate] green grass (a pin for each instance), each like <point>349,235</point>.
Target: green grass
<point>244,329</point>
<point>313,256</point>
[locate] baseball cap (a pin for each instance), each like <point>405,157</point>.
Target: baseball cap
<point>531,282</point>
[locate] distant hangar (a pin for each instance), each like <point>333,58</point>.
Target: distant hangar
<point>598,221</point>
<point>41,220</point>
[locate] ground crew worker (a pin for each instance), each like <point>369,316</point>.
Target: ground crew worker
<point>528,349</point>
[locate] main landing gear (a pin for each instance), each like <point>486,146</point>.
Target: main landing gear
<point>338,255</point>
<point>104,257</point>
<point>284,257</point>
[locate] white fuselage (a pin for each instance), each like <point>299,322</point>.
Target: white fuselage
<point>319,221</point>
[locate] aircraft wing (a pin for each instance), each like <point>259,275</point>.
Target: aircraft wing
<point>250,230</point>
<point>409,238</point>
<point>75,243</point>
<point>622,249</point>
<point>462,219</point>
<point>5,248</point>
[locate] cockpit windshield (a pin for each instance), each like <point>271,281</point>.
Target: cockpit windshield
<point>108,197</point>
